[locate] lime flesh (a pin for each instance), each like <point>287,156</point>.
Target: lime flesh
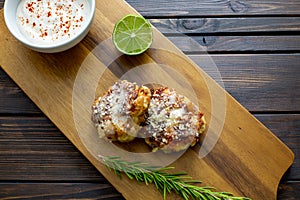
<point>132,35</point>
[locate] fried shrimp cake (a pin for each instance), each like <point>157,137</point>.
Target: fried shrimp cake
<point>119,112</point>
<point>173,123</point>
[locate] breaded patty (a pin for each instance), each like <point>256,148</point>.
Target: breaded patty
<point>119,112</point>
<point>173,123</point>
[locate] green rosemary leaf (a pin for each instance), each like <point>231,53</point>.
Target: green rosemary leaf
<point>157,185</point>
<point>146,179</point>
<point>178,174</point>
<point>169,186</point>
<point>165,190</point>
<point>128,175</point>
<point>184,195</point>
<point>165,169</point>
<point>199,194</point>
<point>192,181</point>
<point>165,182</point>
<point>176,187</point>
<point>140,178</point>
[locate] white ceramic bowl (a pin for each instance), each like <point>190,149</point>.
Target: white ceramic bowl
<point>10,9</point>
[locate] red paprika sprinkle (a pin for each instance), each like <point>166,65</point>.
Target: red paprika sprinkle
<point>56,19</point>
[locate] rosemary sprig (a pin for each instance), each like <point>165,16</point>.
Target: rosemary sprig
<point>165,182</point>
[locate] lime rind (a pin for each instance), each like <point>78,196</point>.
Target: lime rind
<point>132,35</point>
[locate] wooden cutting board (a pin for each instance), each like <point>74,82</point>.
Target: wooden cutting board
<point>239,154</point>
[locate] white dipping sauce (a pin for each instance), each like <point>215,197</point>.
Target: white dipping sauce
<point>51,21</point>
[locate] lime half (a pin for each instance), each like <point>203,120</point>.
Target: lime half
<point>132,35</point>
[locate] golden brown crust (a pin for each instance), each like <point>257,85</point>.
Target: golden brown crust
<point>119,112</point>
<point>174,123</point>
<point>171,122</point>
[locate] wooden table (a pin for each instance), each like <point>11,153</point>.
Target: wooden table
<point>256,47</point>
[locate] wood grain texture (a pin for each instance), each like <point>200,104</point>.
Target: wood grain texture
<point>62,191</point>
<point>216,7</point>
<point>33,128</point>
<point>289,190</point>
<point>268,82</point>
<point>228,26</point>
<point>13,99</point>
<point>287,128</point>
<point>94,191</point>
<point>237,132</point>
<point>38,151</point>
<point>237,44</point>
<point>260,82</point>
<point>213,8</point>
<point>54,158</point>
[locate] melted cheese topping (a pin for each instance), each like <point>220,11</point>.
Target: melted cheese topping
<point>119,112</point>
<point>174,121</point>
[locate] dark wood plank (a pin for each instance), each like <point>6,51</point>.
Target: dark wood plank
<point>36,150</point>
<point>258,82</point>
<point>50,156</point>
<point>215,7</point>
<point>95,191</point>
<point>236,44</point>
<point>36,191</point>
<point>289,190</point>
<point>244,25</point>
<point>13,100</point>
<point>214,25</point>
<point>263,82</point>
<point>287,129</point>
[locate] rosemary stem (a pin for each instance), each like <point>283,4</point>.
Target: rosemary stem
<point>179,183</point>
